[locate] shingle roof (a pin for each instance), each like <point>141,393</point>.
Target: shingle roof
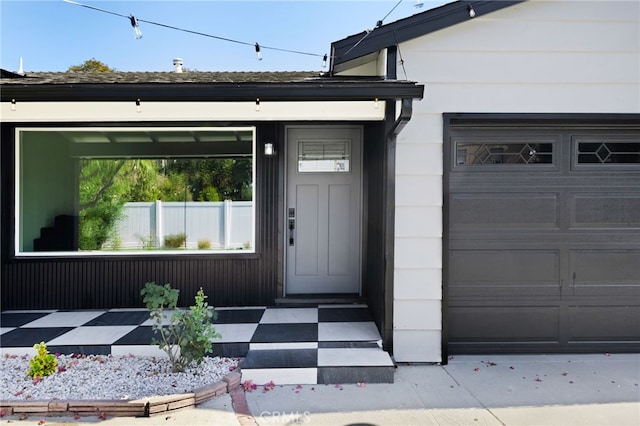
<point>199,86</point>
<point>155,77</point>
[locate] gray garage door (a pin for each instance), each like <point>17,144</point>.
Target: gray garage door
<point>542,237</point>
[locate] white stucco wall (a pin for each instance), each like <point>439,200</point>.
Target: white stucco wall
<point>535,57</point>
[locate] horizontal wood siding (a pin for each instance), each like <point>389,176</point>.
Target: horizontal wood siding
<point>91,283</point>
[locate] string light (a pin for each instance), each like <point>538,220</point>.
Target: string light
<point>472,12</point>
<point>13,104</point>
<point>258,54</point>
<point>257,104</point>
<point>324,61</point>
<point>136,29</point>
<point>171,27</point>
<point>138,107</point>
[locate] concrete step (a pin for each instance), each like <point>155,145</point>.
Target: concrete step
<point>318,363</point>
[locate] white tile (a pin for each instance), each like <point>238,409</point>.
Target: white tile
<point>289,316</point>
<point>6,330</point>
<point>283,345</point>
<point>65,319</point>
<point>360,357</point>
<point>138,350</point>
<point>347,331</point>
<point>281,376</point>
<point>98,335</point>
<point>235,332</point>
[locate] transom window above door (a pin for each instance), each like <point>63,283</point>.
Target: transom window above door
<point>317,156</point>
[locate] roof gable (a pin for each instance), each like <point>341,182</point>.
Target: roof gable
<point>362,44</point>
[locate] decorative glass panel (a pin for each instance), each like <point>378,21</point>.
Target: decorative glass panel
<point>609,152</point>
<point>324,156</point>
<point>496,153</point>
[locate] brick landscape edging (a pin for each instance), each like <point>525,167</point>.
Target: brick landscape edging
<point>143,407</point>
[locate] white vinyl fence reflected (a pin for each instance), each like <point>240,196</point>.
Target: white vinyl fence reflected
<point>225,225</point>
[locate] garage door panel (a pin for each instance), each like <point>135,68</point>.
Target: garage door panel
<point>542,256</point>
<point>503,272</point>
<point>605,273</point>
<point>604,323</point>
<point>500,210</point>
<point>503,324</point>
<point>603,211</point>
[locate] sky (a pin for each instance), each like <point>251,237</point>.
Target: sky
<point>53,35</point>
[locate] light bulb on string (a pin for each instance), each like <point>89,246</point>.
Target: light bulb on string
<point>324,61</point>
<point>136,29</point>
<point>258,54</point>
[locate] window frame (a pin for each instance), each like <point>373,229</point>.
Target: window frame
<point>613,137</point>
<point>501,137</point>
<point>214,252</point>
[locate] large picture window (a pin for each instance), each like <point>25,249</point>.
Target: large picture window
<point>105,191</point>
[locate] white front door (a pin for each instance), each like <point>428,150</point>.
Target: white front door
<point>324,203</point>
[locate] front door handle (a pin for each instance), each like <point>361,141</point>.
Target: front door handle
<point>292,228</point>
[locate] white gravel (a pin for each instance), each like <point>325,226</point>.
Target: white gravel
<point>81,377</point>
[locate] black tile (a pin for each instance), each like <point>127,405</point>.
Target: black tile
<point>120,318</point>
<point>15,319</point>
<point>138,336</point>
<point>347,345</point>
<point>81,349</point>
<point>230,350</point>
<point>344,314</point>
<point>239,316</point>
<point>330,375</point>
<point>278,333</point>
<point>27,337</point>
<point>281,358</point>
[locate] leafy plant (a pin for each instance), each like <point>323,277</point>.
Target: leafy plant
<point>175,240</point>
<point>43,363</point>
<point>188,336</point>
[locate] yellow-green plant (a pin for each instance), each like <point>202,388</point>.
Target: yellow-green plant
<point>43,363</point>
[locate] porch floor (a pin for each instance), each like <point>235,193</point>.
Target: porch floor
<point>323,344</point>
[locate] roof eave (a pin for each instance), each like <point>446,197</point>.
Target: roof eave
<point>418,25</point>
<point>199,92</point>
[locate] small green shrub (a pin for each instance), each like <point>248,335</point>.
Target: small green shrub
<point>43,363</point>
<point>204,244</point>
<point>175,240</point>
<point>188,336</point>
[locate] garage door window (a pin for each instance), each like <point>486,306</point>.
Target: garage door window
<point>504,153</point>
<point>613,152</point>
